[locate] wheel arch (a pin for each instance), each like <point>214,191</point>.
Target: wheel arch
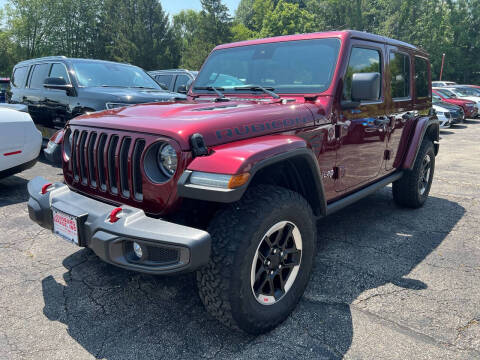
<point>427,127</point>
<point>295,169</point>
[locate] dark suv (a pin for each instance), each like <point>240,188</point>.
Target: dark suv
<point>4,86</point>
<point>177,80</point>
<point>56,89</point>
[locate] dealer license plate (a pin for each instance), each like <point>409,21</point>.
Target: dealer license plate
<point>65,226</point>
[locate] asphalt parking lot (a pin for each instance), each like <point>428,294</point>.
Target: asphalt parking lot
<point>389,283</point>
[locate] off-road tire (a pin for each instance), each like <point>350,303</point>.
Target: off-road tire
<point>406,191</point>
<point>237,230</point>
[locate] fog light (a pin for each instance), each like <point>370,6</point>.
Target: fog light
<point>137,249</point>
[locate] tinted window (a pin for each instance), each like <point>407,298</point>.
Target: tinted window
<point>19,76</point>
<point>3,86</point>
<point>106,74</point>
<point>165,80</point>
<point>40,73</point>
<point>361,61</point>
<point>59,71</point>
<point>400,75</point>
<point>421,78</point>
<point>181,80</point>
<point>293,67</point>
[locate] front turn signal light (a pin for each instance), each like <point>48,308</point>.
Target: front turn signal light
<point>238,180</point>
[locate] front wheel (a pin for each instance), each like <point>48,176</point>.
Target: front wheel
<point>262,256</point>
<point>412,189</point>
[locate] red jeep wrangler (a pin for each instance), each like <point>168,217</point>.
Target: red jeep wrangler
<point>276,133</point>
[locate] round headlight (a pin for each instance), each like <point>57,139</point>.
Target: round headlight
<point>167,160</point>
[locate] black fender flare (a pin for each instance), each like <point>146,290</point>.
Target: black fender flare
<point>187,190</point>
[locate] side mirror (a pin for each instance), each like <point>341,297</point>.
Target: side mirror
<point>182,89</point>
<point>366,86</point>
<point>58,84</point>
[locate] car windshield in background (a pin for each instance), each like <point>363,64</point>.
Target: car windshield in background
<point>294,67</point>
<point>446,94</point>
<point>467,91</point>
<point>96,74</point>
<point>3,86</point>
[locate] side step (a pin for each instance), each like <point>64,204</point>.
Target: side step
<point>352,198</point>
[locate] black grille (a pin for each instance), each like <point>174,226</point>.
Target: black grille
<point>163,255</point>
<point>108,162</point>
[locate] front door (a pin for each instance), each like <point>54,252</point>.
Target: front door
<point>56,101</point>
<point>361,131</point>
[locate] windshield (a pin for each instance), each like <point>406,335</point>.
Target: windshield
<point>446,94</point>
<point>467,92</point>
<point>4,86</point>
<point>93,74</point>
<point>293,67</point>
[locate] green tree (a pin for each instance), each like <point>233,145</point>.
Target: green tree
<point>287,19</point>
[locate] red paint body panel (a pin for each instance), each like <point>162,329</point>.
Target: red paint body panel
<point>219,123</point>
<point>241,156</point>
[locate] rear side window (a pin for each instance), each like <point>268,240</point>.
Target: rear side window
<point>165,80</point>
<point>40,73</point>
<point>20,76</point>
<point>400,75</point>
<point>59,71</point>
<point>362,60</point>
<point>421,78</point>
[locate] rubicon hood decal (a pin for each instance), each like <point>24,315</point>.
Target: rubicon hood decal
<point>218,123</point>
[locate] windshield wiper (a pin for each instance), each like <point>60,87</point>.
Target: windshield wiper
<point>221,96</point>
<point>144,87</point>
<point>268,91</point>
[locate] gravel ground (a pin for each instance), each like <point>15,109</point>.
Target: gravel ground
<point>389,283</point>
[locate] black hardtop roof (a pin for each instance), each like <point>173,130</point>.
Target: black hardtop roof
<point>64,58</point>
<point>362,35</point>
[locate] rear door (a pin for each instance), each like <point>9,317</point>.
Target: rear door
<point>362,136</point>
<point>35,95</point>
<point>400,104</point>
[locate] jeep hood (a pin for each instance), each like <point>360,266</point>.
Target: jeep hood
<point>218,122</point>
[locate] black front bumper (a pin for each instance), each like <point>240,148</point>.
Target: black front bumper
<point>168,247</point>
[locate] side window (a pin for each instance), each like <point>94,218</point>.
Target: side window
<point>421,78</point>
<point>181,80</point>
<point>436,97</point>
<point>59,71</point>
<point>362,60</point>
<point>20,76</point>
<point>40,73</point>
<point>165,80</point>
<point>400,75</point>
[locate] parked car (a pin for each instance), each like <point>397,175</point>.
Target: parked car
<point>176,80</point>
<point>4,86</point>
<point>20,141</point>
<point>443,83</point>
<point>57,89</point>
<point>445,111</point>
<point>464,93</point>
<point>230,183</point>
<point>469,107</point>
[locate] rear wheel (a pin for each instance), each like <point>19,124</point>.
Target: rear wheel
<point>412,189</point>
<point>262,255</point>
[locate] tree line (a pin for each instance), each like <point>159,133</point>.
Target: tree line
<point>142,33</point>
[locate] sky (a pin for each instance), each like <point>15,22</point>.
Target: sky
<point>175,6</point>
